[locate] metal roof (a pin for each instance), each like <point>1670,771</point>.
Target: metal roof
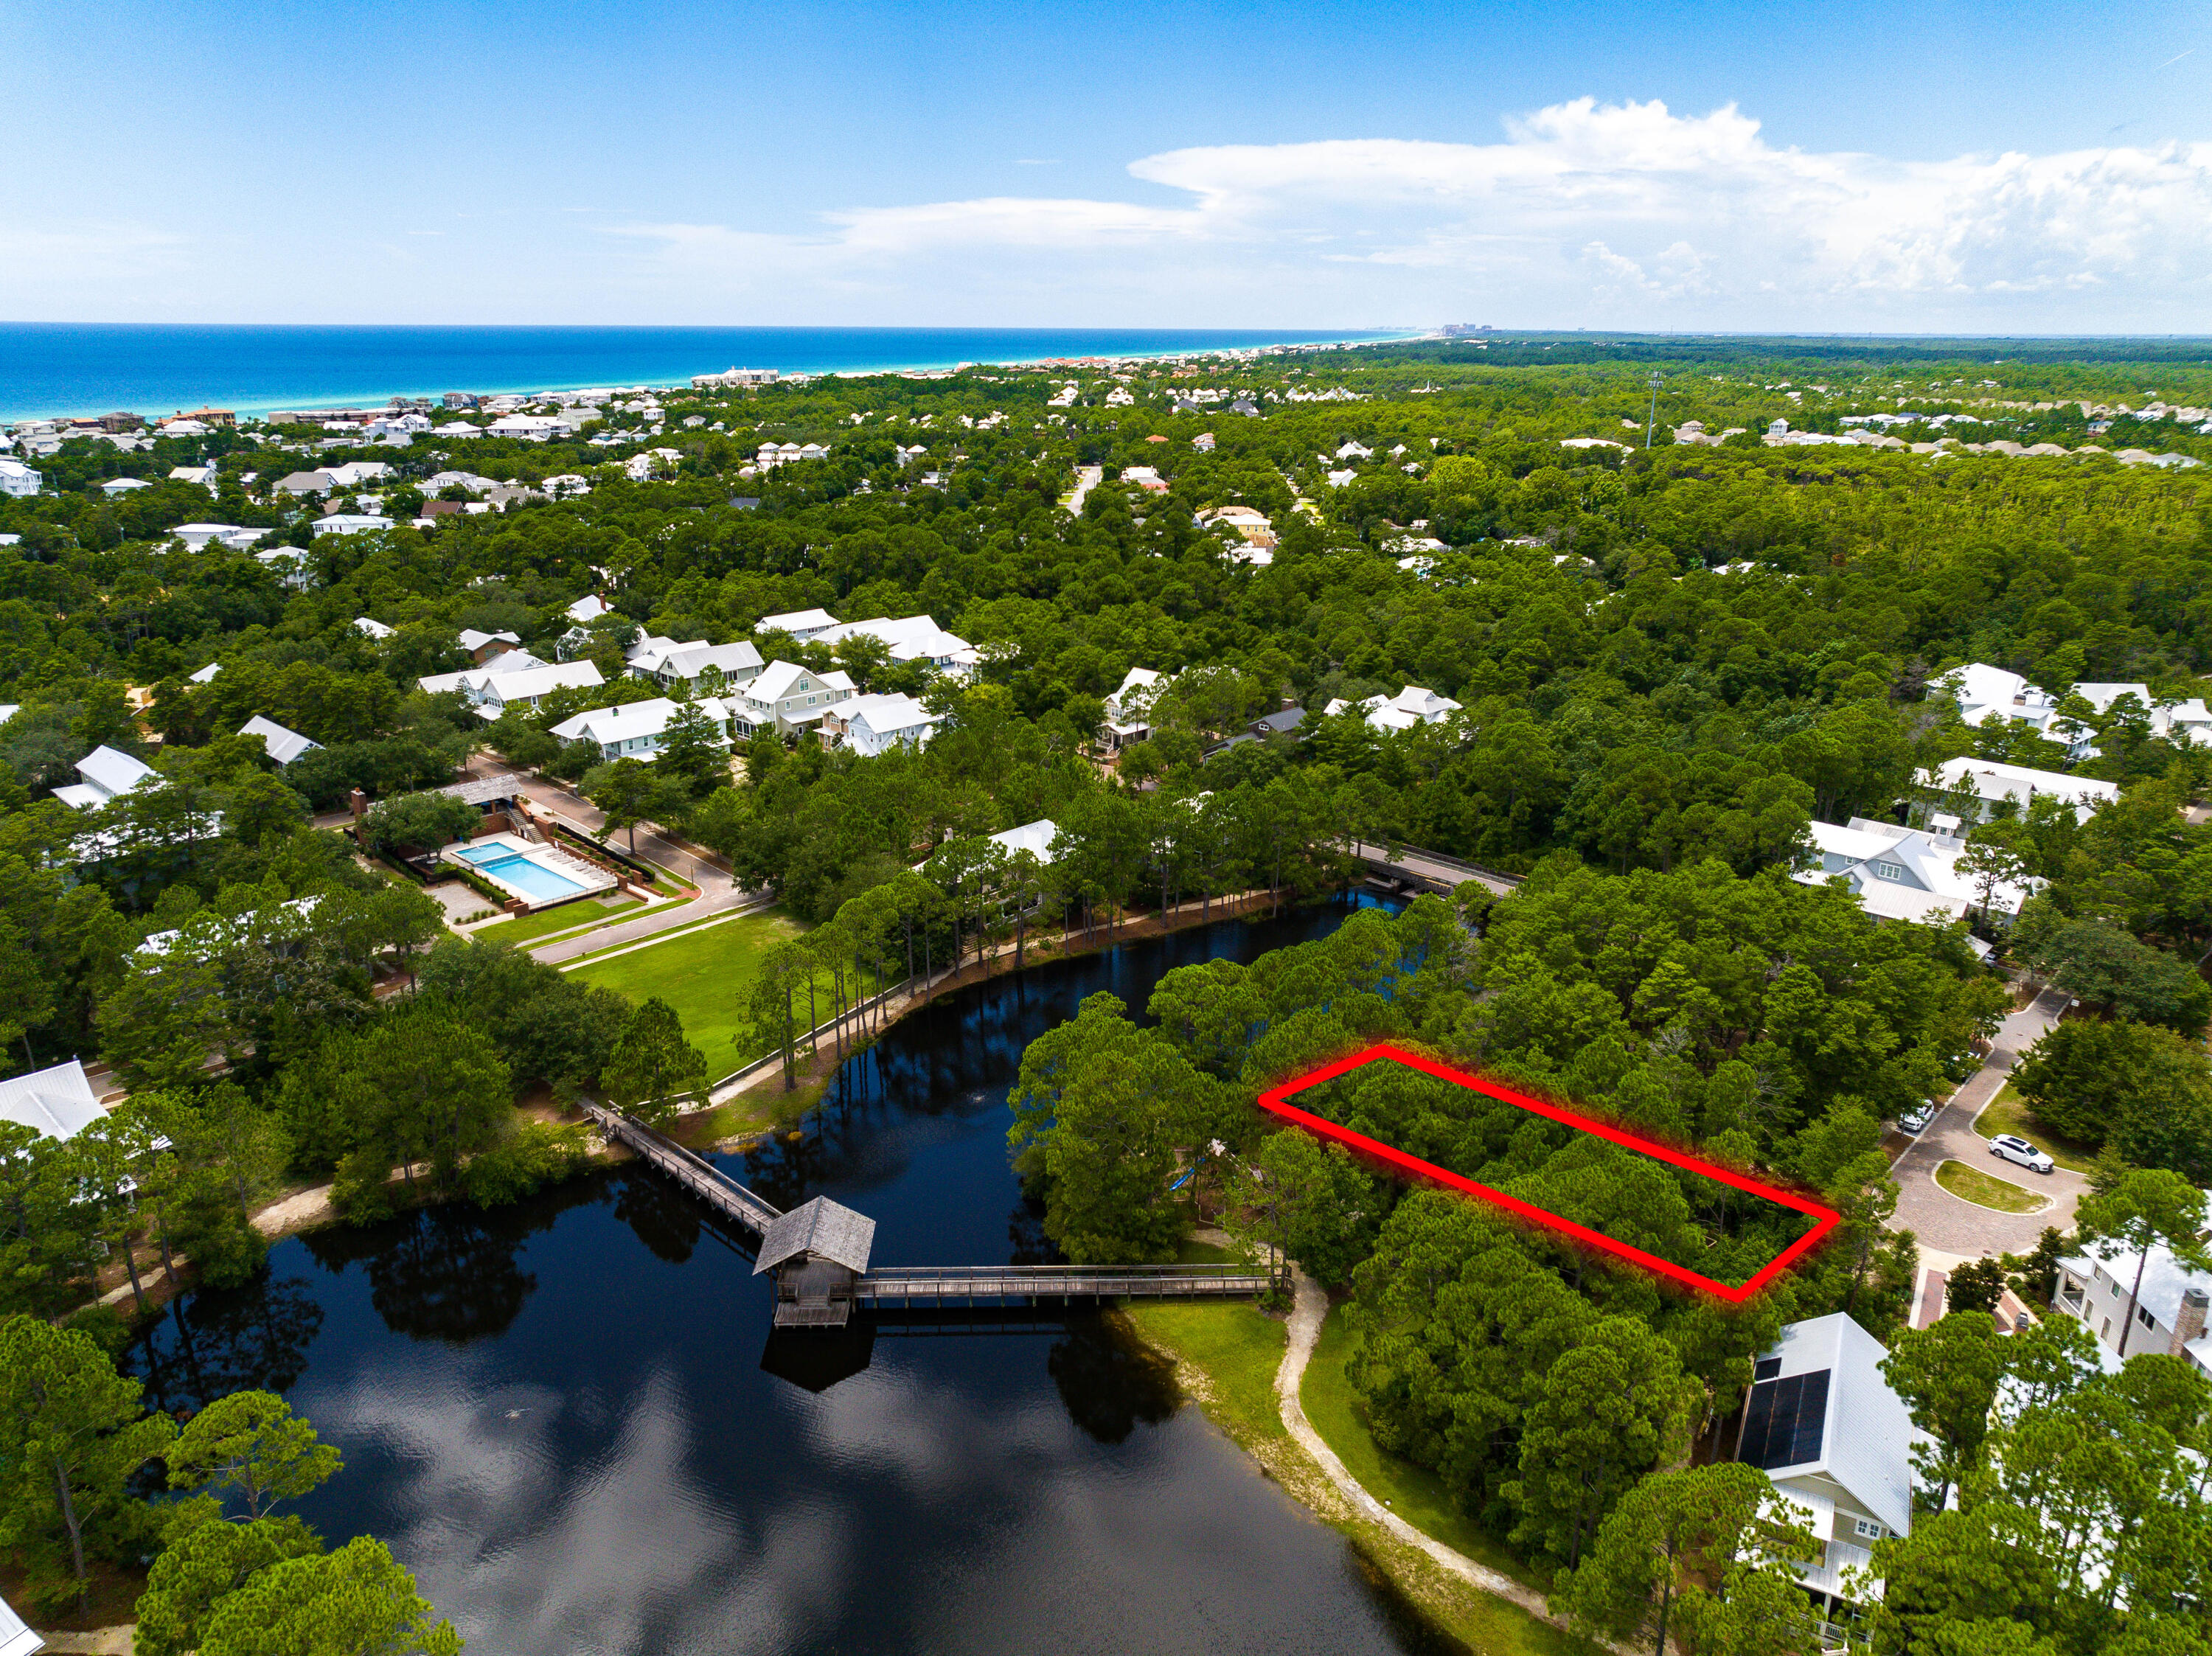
<point>56,1101</point>
<point>284,746</point>
<point>111,772</point>
<point>825,1228</point>
<point>482,790</point>
<point>15,1638</point>
<point>1843,1419</point>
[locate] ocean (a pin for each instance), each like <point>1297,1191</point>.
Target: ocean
<point>160,368</point>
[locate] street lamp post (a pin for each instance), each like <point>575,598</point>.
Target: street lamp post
<point>1651,423</point>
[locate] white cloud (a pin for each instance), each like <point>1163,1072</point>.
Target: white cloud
<point>1628,215</point>
<point>1583,212</point>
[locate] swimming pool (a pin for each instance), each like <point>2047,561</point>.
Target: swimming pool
<point>511,868</point>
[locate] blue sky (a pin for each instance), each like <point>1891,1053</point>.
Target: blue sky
<point>1928,168</point>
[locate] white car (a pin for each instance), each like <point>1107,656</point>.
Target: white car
<point>1914,1121</point>
<point>2011,1147</point>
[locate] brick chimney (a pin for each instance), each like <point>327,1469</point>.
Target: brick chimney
<point>359,802</point>
<point>2189,1321</point>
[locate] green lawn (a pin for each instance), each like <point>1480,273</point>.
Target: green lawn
<point>584,912</point>
<point>1415,1494</point>
<point>1973,1185</point>
<point>1239,1349</point>
<point>2006,1114</point>
<point>703,975</point>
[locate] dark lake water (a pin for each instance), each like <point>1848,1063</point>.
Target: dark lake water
<point>566,1416</point>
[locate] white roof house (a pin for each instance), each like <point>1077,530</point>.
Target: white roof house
<point>589,607</point>
<point>2170,1309</point>
<point>478,644</point>
<point>369,627</point>
<point>910,637</point>
<point>636,730</point>
<point>740,663</point>
<point>284,746</point>
<point>644,644</point>
<point>494,693</point>
<point>59,1102</point>
<point>438,481</point>
<point>206,675</point>
<point>532,428</point>
<point>2188,722</point>
<point>869,725</point>
<point>203,475</point>
<point>789,697</point>
<point>1992,784</point>
<point>801,624</point>
<point>289,564</point>
<point>196,536</point>
<point>1981,690</point>
<point>1904,874</point>
<point>1412,706</point>
<point>1823,1423</point>
<point>507,661</point>
<point>354,473</point>
<point>1129,709</point>
<point>115,485</point>
<point>349,522</point>
<point>1035,838</point>
<point>105,774</point>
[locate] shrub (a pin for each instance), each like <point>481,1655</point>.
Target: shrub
<point>538,1155</point>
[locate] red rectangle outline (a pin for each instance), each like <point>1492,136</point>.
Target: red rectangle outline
<point>1274,1101</point>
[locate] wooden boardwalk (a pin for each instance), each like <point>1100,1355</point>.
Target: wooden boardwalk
<point>920,1286</point>
<point>923,1288</point>
<point>697,1175</point>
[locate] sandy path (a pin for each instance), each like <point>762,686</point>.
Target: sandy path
<point>1308,1308</point>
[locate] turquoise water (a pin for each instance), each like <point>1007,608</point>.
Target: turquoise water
<point>160,368</point>
<point>511,868</point>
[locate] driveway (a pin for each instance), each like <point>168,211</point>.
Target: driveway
<point>1947,1224</point>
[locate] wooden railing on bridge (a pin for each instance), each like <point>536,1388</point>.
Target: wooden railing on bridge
<point>946,1285</point>
<point>923,1288</point>
<point>695,1173</point>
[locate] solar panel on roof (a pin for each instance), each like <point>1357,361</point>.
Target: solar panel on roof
<point>1785,1421</point>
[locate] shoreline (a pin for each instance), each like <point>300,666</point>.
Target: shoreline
<point>1456,1600</point>
<point>308,1207</point>
<point>259,404</point>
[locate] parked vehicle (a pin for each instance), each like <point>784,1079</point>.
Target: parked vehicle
<point>1914,1121</point>
<point>2011,1147</point>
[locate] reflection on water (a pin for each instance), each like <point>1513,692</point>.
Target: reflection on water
<point>567,1417</point>
<point>1110,1384</point>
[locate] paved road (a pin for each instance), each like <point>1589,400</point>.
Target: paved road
<point>1943,1223</point>
<point>1447,874</point>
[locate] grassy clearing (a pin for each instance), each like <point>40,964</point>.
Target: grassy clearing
<point>703,975</point>
<point>1973,1185</point>
<point>1237,1347</point>
<point>2007,1114</point>
<point>747,1115</point>
<point>1414,1493</point>
<point>585,911</point>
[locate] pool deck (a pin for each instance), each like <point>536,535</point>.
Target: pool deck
<point>551,862</point>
